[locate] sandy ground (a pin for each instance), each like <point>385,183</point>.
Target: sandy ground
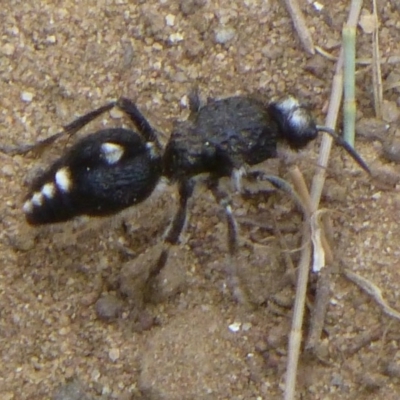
<point>74,323</point>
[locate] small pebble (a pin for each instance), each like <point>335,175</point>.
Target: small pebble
<point>95,375</point>
<point>64,331</point>
<point>175,37</point>
<point>391,150</point>
<point>376,196</point>
<point>318,6</point>
<point>145,321</point>
<point>114,354</point>
<point>179,77</point>
<point>393,369</point>
<point>367,23</point>
<point>235,327</point>
<point>390,111</point>
<point>51,39</point>
<point>184,102</point>
<point>8,49</point>
<point>108,307</point>
<point>188,7</point>
<point>224,35</point>
<point>27,97</point>
<point>372,128</point>
<point>373,381</point>
<point>277,336</point>
<point>115,113</point>
<point>7,170</point>
<point>337,380</point>
<point>246,326</point>
<point>70,391</point>
<point>170,20</point>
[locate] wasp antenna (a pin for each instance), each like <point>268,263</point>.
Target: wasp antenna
<point>80,122</point>
<point>69,129</point>
<point>350,150</point>
<point>37,147</point>
<point>137,118</point>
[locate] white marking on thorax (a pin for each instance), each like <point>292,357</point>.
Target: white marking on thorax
<point>288,105</point>
<point>293,112</point>
<point>299,118</point>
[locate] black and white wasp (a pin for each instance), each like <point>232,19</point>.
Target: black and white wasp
<point>112,169</point>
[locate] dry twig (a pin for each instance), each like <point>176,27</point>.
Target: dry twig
<point>297,322</point>
<point>317,186</point>
<point>349,70</point>
<point>321,246</point>
<point>376,67</point>
<point>364,339</point>
<point>374,291</point>
<point>300,25</point>
<point>319,310</point>
<point>359,61</point>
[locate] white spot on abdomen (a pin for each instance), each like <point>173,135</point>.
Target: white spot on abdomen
<point>63,179</point>
<point>37,199</point>
<point>112,152</point>
<point>49,190</point>
<point>27,208</point>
